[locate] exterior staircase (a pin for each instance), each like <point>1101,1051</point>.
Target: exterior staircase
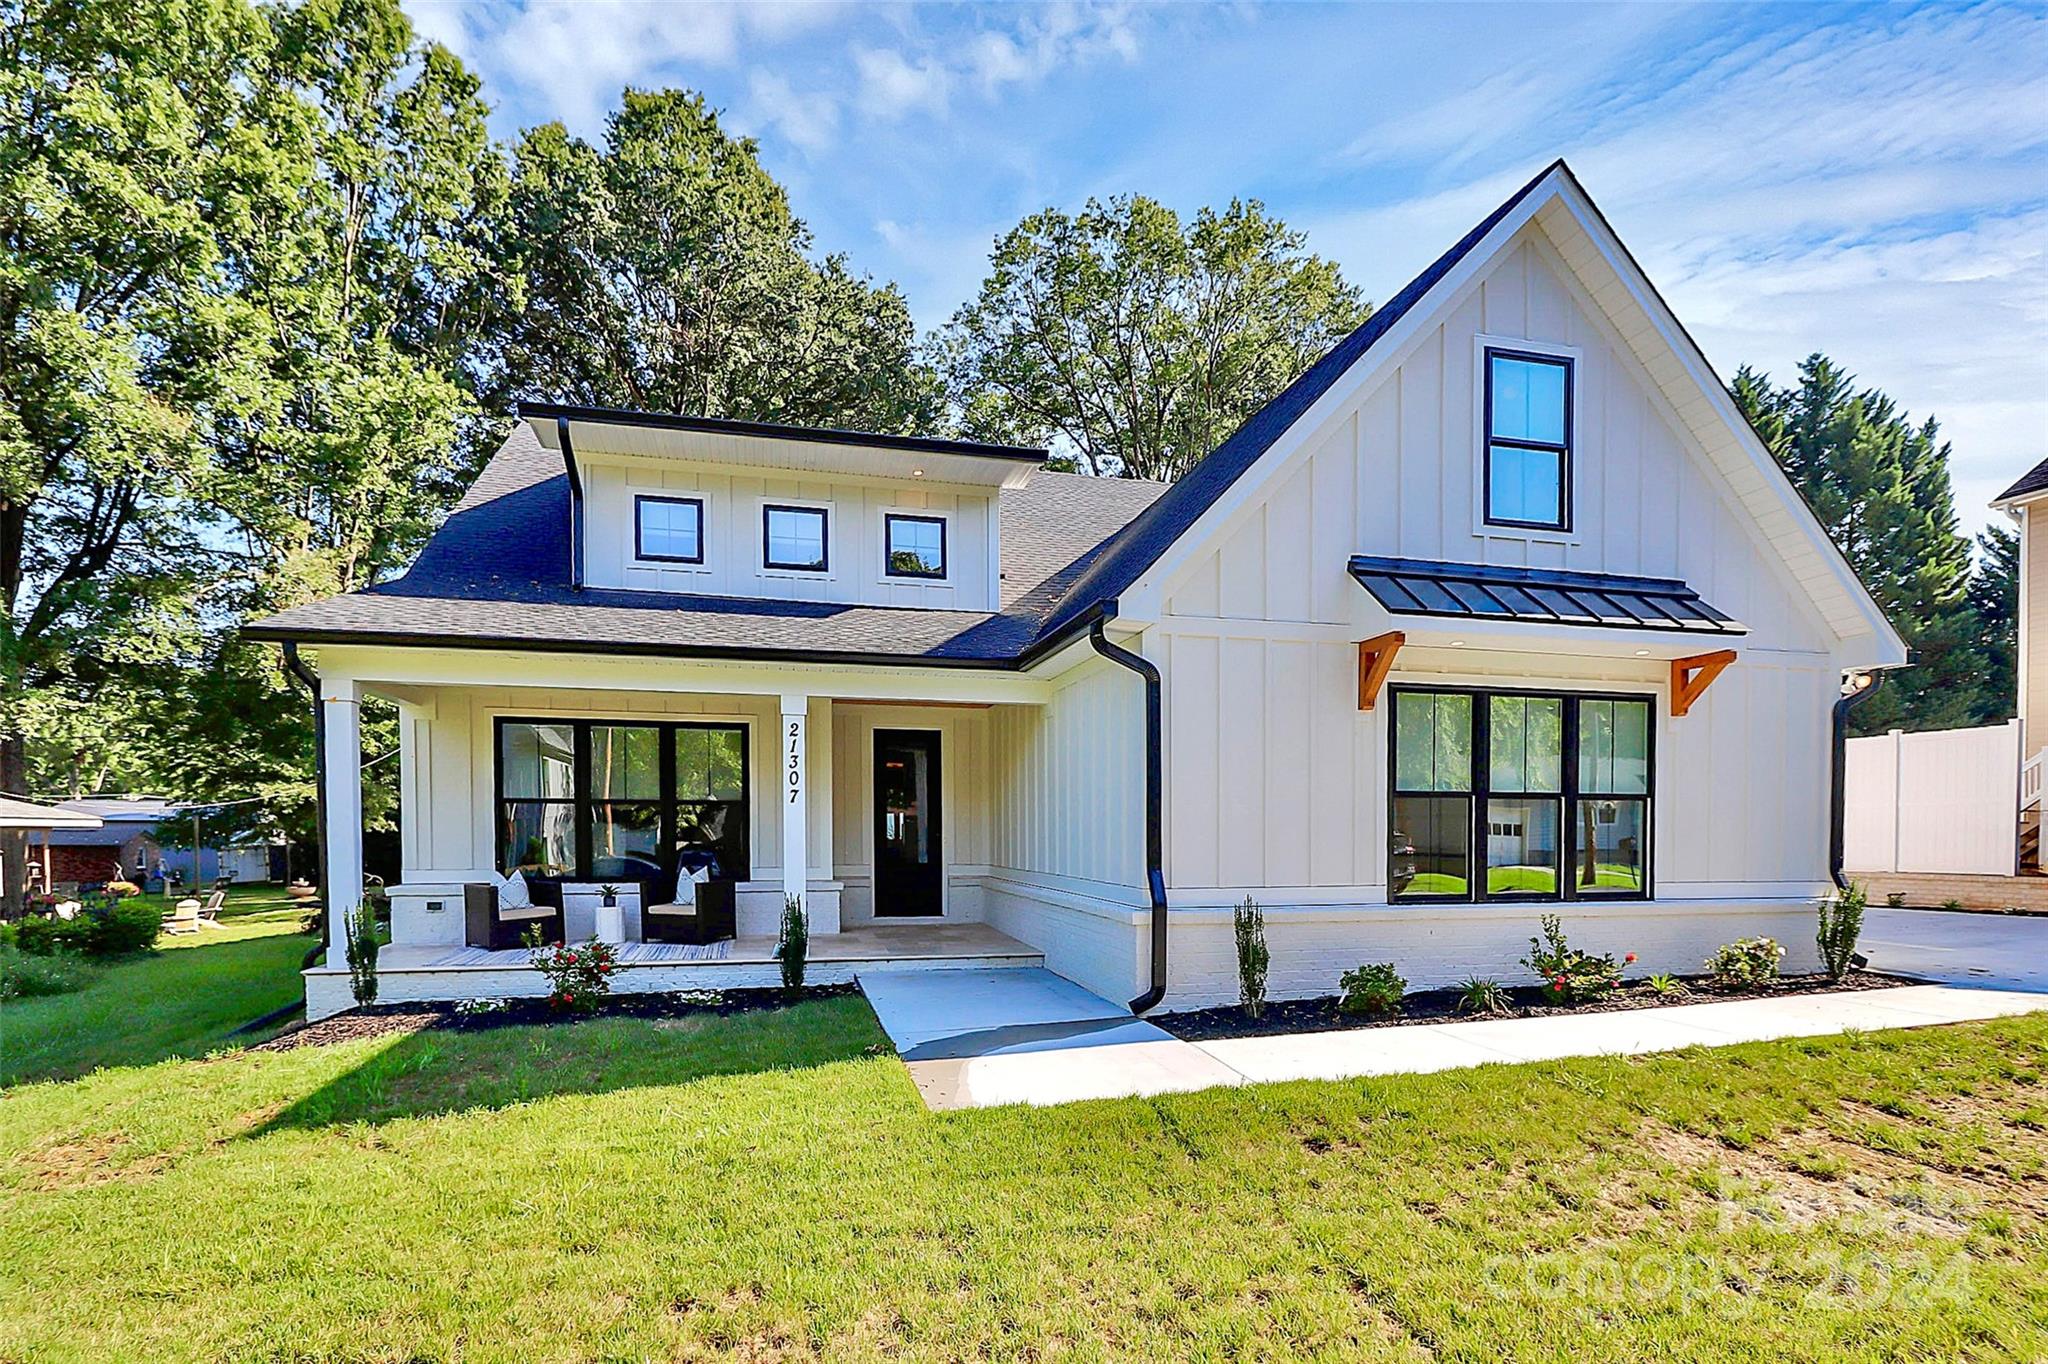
<point>2032,773</point>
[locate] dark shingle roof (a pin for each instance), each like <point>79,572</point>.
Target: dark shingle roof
<point>2033,480</point>
<point>1428,587</point>
<point>497,573</point>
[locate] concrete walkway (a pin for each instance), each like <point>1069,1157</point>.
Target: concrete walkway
<point>976,1039</point>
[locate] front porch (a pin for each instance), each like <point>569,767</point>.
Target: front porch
<point>864,796</point>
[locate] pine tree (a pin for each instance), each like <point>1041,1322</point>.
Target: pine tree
<point>1995,597</point>
<point>1880,486</point>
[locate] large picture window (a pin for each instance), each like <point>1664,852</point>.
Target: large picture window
<point>1528,440</point>
<point>602,800</point>
<point>1518,796</point>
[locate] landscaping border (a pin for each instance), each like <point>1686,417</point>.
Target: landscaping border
<point>381,1020</point>
<point>1281,1018</point>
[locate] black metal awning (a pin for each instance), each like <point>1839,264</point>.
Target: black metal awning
<point>1427,587</point>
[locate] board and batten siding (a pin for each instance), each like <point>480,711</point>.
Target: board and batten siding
<point>1277,782</point>
<point>1066,786</point>
<point>2033,699</point>
<point>732,535</point>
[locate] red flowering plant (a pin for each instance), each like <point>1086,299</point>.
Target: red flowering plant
<point>1568,975</point>
<point>579,974</point>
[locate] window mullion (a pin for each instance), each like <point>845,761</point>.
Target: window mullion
<point>1568,885</point>
<point>1482,794</point>
<point>580,802</point>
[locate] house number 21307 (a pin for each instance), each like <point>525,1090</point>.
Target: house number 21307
<point>796,762</point>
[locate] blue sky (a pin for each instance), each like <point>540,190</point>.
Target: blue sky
<point>1868,181</point>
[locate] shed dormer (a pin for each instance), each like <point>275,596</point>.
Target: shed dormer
<point>746,509</point>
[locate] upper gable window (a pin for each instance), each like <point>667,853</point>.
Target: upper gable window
<point>793,538</point>
<point>669,529</point>
<point>916,546</point>
<point>1528,440</point>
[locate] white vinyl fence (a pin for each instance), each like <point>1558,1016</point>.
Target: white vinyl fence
<point>1946,800</point>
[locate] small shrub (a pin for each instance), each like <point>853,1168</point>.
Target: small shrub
<point>471,1008</point>
<point>360,927</point>
<point>104,928</point>
<point>1374,988</point>
<point>1841,923</point>
<point>1481,996</point>
<point>1952,905</point>
<point>1252,956</point>
<point>1669,986</point>
<point>1896,900</point>
<point>793,950</point>
<point>1569,976</point>
<point>579,974</point>
<point>39,936</point>
<point>1746,964</point>
<point>23,976</point>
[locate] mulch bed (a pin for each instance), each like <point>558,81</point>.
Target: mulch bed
<point>1282,1017</point>
<point>383,1020</point>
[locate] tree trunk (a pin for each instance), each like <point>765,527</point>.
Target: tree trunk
<point>13,842</point>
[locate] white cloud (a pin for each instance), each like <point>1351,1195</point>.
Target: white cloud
<point>892,85</point>
<point>808,118</point>
<point>569,59</point>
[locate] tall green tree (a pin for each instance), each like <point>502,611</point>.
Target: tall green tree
<point>372,276</point>
<point>1879,484</point>
<point>1137,342</point>
<point>129,166</point>
<point>1995,598</point>
<point>664,270</point>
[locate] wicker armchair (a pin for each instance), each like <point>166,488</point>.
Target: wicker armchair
<point>710,917</point>
<point>500,930</point>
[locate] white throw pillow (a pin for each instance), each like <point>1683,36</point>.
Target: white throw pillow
<point>513,894</point>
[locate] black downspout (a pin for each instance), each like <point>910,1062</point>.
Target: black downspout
<point>575,503</point>
<point>1838,795</point>
<point>1155,798</point>
<point>297,667</point>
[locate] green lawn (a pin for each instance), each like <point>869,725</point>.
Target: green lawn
<point>182,1000</point>
<point>770,1188</point>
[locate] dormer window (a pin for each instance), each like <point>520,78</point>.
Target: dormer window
<point>794,538</point>
<point>668,530</point>
<point>1528,466</point>
<point>916,546</point>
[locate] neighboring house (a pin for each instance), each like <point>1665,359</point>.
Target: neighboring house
<point>26,817</point>
<point>125,837</point>
<point>2026,501</point>
<point>122,847</point>
<point>1499,609</point>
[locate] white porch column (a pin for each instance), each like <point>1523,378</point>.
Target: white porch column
<point>341,718</point>
<point>794,778</point>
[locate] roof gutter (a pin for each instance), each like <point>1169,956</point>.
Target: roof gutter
<point>1864,686</point>
<point>1155,799</point>
<point>298,668</point>
<point>575,504</point>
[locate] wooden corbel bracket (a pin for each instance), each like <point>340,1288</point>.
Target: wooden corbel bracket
<point>1690,677</point>
<point>1375,661</point>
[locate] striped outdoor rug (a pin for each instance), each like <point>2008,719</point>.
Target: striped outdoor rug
<point>632,954</point>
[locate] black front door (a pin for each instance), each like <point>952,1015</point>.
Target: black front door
<point>910,862</point>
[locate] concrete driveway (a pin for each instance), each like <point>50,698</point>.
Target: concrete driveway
<point>1998,951</point>
<point>972,1039</point>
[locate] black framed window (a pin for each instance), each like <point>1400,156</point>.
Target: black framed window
<point>1528,440</point>
<point>602,800</point>
<point>668,529</point>
<point>794,537</point>
<point>915,546</point>
<point>1518,795</point>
